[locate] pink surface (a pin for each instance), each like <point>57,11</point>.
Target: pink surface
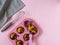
<point>47,14</point>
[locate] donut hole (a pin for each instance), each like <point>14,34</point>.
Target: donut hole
<point>19,42</point>
<point>20,30</point>
<point>26,37</point>
<point>13,36</point>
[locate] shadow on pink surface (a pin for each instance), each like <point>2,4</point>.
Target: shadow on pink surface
<point>36,42</point>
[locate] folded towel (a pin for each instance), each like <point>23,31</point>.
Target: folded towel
<point>8,8</point>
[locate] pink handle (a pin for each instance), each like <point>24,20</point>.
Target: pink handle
<point>30,41</point>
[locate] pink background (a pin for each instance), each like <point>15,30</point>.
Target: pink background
<point>47,14</point>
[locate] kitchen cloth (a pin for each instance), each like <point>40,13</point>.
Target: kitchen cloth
<point>8,8</point>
